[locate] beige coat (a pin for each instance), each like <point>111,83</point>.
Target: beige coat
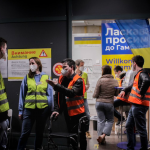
<point>105,89</point>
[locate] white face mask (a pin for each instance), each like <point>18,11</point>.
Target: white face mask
<point>115,75</point>
<point>4,56</point>
<point>33,68</point>
<point>64,72</point>
<point>132,68</point>
<point>81,68</point>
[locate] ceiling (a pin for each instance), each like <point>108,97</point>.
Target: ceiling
<point>92,22</point>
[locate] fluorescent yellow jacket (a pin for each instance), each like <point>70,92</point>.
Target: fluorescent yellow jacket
<point>36,95</point>
<point>4,105</point>
<point>84,77</point>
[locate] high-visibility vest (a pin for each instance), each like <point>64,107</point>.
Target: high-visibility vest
<point>75,105</point>
<point>84,77</point>
<point>125,98</point>
<point>4,105</point>
<point>135,96</point>
<point>36,95</point>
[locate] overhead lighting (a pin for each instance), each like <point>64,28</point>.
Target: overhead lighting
<point>78,21</point>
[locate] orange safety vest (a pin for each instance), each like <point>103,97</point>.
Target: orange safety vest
<point>75,105</point>
<point>135,96</point>
<point>125,98</point>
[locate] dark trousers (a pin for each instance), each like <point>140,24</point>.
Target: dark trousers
<point>137,117</point>
<point>118,103</point>
<point>29,117</point>
<point>87,112</point>
<point>3,133</point>
<point>72,124</point>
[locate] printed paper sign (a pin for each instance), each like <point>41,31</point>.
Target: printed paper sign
<point>18,62</point>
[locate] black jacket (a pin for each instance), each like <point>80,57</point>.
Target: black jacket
<point>143,84</point>
<point>77,89</point>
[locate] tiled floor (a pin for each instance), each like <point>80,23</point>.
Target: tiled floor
<point>111,141</point>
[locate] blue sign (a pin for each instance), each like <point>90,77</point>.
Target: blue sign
<point>113,42</point>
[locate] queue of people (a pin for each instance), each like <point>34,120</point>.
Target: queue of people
<point>36,101</point>
<point>137,95</point>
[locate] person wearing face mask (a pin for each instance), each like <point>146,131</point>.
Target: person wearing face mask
<point>69,98</point>
<point>139,99</point>
<point>120,101</point>
<point>35,103</point>
<point>118,71</point>
<point>4,105</point>
<point>79,70</point>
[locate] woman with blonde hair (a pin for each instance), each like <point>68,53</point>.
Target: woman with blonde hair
<point>104,93</point>
<point>35,103</point>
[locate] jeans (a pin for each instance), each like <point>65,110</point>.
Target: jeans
<point>137,117</point>
<point>118,103</point>
<point>29,117</point>
<point>104,111</point>
<point>87,112</point>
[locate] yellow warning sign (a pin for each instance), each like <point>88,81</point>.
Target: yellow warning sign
<point>18,62</point>
<point>14,54</point>
<point>43,54</point>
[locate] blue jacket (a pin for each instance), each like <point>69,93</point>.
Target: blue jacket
<point>24,89</point>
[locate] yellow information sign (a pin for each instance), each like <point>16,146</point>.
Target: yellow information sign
<point>18,62</point>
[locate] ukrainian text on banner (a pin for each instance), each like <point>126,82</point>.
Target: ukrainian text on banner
<point>18,62</point>
<point>137,35</point>
<point>115,50</point>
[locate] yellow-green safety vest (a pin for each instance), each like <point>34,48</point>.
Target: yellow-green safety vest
<point>84,77</point>
<point>4,105</point>
<point>36,95</point>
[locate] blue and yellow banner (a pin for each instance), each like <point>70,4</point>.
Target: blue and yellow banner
<point>87,40</point>
<point>113,41</point>
<point>137,35</point>
<point>115,50</point>
<point>125,61</point>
